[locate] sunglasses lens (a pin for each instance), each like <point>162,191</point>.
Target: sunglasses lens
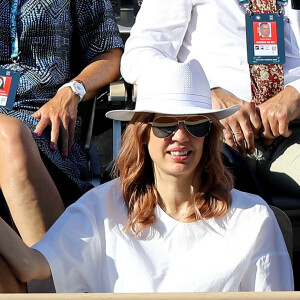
<point>198,126</point>
<point>164,126</point>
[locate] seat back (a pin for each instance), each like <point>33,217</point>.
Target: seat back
<point>86,112</point>
<point>286,228</point>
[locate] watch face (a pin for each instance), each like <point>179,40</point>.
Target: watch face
<point>78,87</point>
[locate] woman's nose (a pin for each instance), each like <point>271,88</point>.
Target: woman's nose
<point>181,133</point>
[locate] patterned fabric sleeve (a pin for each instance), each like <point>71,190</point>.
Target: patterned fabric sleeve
<point>4,31</point>
<point>95,23</point>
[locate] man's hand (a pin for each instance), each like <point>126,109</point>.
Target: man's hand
<point>277,112</point>
<point>241,128</point>
<point>60,113</point>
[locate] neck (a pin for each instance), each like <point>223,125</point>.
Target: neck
<point>176,195</point>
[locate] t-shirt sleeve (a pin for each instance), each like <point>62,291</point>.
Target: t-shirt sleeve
<point>97,29</point>
<point>270,266</point>
<point>157,33</point>
<point>73,249</point>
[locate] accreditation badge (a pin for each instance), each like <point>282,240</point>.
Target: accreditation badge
<point>9,80</point>
<point>265,38</point>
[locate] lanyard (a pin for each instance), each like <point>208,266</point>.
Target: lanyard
<point>279,2</point>
<point>246,5</point>
<point>13,31</point>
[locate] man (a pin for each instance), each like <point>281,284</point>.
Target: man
<point>264,29</point>
<point>214,33</point>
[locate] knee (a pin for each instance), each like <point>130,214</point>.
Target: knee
<point>13,132</point>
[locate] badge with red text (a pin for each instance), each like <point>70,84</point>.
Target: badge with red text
<point>9,81</point>
<point>265,39</point>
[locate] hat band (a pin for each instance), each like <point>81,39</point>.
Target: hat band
<point>187,101</point>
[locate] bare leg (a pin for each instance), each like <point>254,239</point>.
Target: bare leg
<point>8,282</point>
<point>31,194</point>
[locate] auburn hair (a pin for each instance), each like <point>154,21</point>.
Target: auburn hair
<point>134,167</point>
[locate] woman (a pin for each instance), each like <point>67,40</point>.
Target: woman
<point>171,221</point>
<point>57,47</point>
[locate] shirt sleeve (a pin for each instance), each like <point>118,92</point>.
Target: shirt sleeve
<point>295,84</point>
<point>292,47</point>
<point>158,32</point>
<point>270,266</point>
<point>73,249</point>
<point>96,27</point>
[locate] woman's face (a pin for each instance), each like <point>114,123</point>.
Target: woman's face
<point>176,155</point>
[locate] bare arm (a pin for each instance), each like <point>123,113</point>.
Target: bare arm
<point>61,111</point>
<point>25,263</point>
<point>8,281</point>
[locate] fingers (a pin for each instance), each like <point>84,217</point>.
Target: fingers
<point>284,129</point>
<point>40,127</point>
<point>276,114</point>
<point>62,127</point>
<point>55,128</point>
<point>246,139</point>
<point>274,126</point>
<point>37,114</point>
<point>229,137</point>
<point>67,132</point>
<point>240,142</point>
<point>239,134</point>
<point>60,113</point>
<point>255,121</point>
<point>236,139</point>
<point>72,126</point>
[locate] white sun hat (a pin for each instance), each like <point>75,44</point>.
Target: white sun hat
<point>173,88</point>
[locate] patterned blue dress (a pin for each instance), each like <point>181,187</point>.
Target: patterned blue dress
<point>48,33</point>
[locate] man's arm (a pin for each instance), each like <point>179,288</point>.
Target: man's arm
<point>158,33</point>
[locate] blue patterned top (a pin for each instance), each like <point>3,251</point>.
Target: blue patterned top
<point>47,30</point>
<point>52,35</point>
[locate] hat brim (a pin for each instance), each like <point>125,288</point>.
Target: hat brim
<point>126,115</point>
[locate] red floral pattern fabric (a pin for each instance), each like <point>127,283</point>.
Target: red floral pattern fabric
<point>263,6</point>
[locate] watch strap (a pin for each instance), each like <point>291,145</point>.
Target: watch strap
<point>69,84</point>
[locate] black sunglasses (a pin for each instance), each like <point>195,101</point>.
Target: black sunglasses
<point>198,126</point>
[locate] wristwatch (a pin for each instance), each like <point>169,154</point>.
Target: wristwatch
<point>77,87</point>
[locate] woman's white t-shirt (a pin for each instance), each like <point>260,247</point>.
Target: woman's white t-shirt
<point>88,251</point>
